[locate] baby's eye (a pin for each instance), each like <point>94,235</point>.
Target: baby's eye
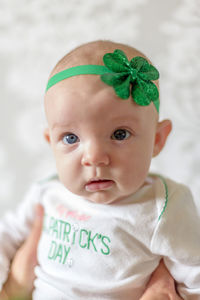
<point>70,138</point>
<point>120,134</point>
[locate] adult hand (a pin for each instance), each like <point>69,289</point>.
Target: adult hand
<point>21,276</point>
<point>161,286</point>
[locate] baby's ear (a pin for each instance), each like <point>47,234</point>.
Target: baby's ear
<point>47,135</point>
<point>163,130</point>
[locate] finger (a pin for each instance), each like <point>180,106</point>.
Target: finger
<point>161,285</point>
<point>22,274</point>
<point>36,230</point>
<point>31,244</point>
<point>162,275</point>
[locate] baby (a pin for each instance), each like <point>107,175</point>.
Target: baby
<point>108,222</point>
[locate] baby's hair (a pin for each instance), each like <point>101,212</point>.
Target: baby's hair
<point>92,53</point>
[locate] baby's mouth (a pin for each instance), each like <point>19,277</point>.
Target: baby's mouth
<point>95,185</point>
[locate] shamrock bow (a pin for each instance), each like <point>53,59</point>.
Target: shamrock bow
<point>137,73</point>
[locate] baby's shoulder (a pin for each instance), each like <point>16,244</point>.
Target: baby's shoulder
<point>178,224</point>
<point>176,193</point>
<point>171,196</point>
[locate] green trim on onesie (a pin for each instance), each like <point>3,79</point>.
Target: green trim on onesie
<point>166,196</point>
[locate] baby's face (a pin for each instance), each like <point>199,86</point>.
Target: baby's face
<point>102,145</point>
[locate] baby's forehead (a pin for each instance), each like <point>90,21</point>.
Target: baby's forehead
<point>69,107</point>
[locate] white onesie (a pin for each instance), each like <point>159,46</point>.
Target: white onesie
<point>96,251</point>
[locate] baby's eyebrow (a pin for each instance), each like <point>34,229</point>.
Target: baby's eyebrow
<point>61,125</point>
<point>118,119</point>
<point>126,118</point>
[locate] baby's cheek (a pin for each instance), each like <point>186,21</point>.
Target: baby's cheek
<point>68,172</point>
<point>134,172</point>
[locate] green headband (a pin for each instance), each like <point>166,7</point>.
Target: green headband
<point>121,74</point>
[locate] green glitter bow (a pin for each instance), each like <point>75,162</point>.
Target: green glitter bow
<point>136,74</point>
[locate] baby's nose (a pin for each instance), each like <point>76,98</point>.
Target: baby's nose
<point>95,155</point>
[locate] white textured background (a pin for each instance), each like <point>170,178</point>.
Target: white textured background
<point>34,34</point>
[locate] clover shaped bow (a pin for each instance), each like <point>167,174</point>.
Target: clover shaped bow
<point>136,74</point>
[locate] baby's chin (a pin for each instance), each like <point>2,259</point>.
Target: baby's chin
<point>104,197</point>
